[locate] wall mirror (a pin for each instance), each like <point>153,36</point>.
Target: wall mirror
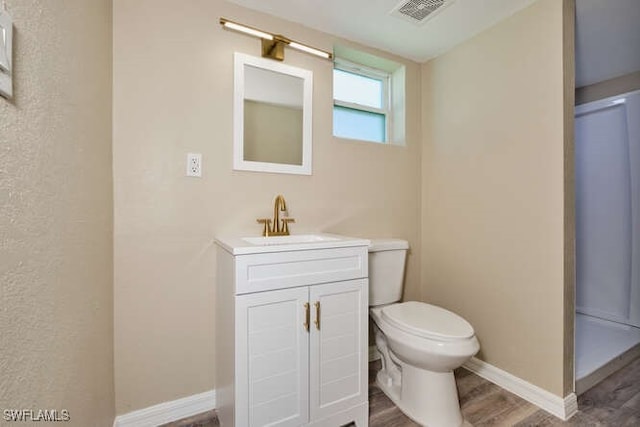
<point>272,116</point>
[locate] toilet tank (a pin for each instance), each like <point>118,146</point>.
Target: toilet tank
<point>386,270</point>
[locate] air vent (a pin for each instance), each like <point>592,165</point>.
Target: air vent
<point>419,11</point>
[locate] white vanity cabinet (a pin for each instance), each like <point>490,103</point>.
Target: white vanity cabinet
<point>291,336</point>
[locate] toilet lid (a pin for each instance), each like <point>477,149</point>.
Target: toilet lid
<point>427,320</point>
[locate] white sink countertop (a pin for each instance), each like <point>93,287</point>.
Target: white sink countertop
<point>293,242</point>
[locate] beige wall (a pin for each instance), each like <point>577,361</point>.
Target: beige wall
<point>173,91</point>
<point>493,191</point>
<point>627,83</point>
<point>56,220</point>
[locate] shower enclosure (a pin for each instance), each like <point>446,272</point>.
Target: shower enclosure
<point>607,163</point>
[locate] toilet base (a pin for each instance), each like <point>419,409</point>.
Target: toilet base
<point>428,398</point>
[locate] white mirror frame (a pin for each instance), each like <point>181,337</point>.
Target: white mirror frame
<point>240,61</point>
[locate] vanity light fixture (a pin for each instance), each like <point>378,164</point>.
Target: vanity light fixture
<point>273,44</point>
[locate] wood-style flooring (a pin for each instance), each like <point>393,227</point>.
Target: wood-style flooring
<point>615,402</point>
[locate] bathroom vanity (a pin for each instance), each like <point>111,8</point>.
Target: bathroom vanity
<point>291,331</point>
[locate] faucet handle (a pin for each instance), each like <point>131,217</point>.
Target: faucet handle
<point>285,225</point>
<point>267,225</point>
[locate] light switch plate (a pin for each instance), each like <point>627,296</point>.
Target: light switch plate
<point>6,54</point>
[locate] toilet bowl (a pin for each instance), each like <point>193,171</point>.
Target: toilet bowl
<point>420,344</point>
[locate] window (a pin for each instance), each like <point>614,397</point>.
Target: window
<point>361,102</point>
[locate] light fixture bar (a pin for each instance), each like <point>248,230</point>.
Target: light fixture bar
<point>275,49</point>
<point>311,50</point>
<point>244,29</point>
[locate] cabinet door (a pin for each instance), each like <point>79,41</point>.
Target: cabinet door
<point>338,348</point>
<point>272,371</point>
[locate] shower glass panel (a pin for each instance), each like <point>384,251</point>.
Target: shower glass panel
<point>607,146</point>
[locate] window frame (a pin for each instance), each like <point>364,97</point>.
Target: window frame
<point>372,73</point>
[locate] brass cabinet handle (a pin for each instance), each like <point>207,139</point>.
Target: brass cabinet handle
<point>306,316</point>
<point>317,321</point>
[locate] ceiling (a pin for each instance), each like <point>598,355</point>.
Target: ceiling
<point>607,32</point>
<point>368,22</point>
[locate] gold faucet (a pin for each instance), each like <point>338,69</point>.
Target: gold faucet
<point>276,226</point>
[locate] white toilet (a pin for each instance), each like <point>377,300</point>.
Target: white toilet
<point>420,344</point>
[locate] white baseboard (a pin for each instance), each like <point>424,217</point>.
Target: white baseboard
<point>168,411</point>
<point>563,408</point>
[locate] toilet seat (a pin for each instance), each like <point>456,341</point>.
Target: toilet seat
<point>428,321</point>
